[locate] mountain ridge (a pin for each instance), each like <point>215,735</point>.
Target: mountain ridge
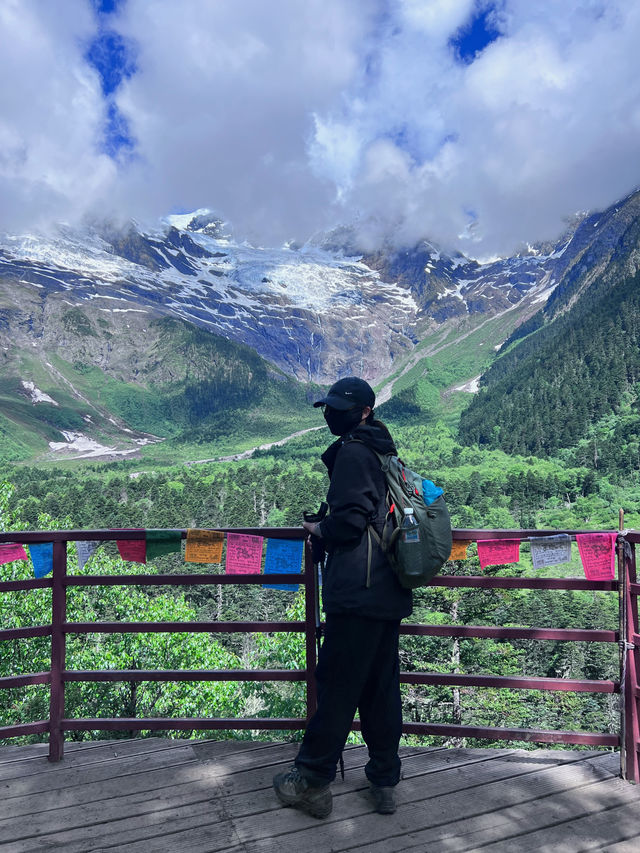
<point>76,310</point>
<point>293,305</point>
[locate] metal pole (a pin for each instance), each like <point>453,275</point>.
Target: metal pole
<point>622,631</point>
<point>58,642</point>
<point>622,577</point>
<point>630,690</point>
<point>311,598</point>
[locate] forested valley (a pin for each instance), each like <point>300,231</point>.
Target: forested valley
<point>580,487</point>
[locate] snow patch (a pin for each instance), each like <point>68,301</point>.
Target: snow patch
<point>182,220</point>
<point>561,251</point>
<point>544,294</point>
<point>37,396</point>
<point>125,310</point>
<point>472,386</point>
<point>84,447</point>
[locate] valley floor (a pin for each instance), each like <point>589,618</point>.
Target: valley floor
<point>155,795</point>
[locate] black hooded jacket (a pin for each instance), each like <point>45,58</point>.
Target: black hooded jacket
<point>356,498</point>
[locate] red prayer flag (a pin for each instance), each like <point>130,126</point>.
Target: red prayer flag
<point>133,550</point>
<point>597,553</point>
<point>244,554</point>
<point>11,551</point>
<point>495,552</point>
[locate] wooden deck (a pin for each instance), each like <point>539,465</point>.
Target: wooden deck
<point>155,796</point>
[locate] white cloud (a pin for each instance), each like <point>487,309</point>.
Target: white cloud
<point>222,106</point>
<point>437,19</point>
<point>51,114</point>
<point>543,123</point>
<point>291,116</point>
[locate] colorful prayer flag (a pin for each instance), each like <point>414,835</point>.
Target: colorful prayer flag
<point>10,551</point>
<point>284,556</point>
<point>160,542</point>
<point>597,553</point>
<point>42,558</point>
<point>495,552</point>
<point>133,550</point>
<point>459,549</point>
<point>244,554</point>
<point>84,549</point>
<point>203,546</point>
<point>550,550</point>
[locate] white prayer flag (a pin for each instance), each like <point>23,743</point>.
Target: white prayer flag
<point>550,550</point>
<point>85,548</point>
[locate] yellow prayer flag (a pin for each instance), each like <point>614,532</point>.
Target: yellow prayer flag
<point>459,549</point>
<point>203,546</point>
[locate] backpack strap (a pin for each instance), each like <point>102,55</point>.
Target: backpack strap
<point>385,541</point>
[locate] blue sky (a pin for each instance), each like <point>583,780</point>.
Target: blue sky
<point>478,32</point>
<point>114,58</point>
<point>478,124</point>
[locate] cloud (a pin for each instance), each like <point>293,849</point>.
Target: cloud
<point>51,113</point>
<point>222,107</point>
<point>289,117</point>
<point>543,123</point>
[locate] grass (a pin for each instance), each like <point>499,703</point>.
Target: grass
<point>450,357</point>
<point>188,418</point>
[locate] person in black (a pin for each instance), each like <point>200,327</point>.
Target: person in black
<point>358,666</point>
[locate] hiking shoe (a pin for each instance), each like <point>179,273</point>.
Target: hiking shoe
<point>384,799</point>
<point>292,789</point>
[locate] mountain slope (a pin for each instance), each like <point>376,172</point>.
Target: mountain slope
<point>317,311</point>
<point>139,336</point>
<point>77,383</point>
<point>581,355</point>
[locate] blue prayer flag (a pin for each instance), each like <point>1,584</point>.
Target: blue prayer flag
<point>42,558</point>
<point>284,556</point>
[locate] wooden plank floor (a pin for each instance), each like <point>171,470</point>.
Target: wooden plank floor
<point>155,796</point>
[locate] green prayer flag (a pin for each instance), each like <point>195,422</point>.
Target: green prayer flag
<point>161,542</point>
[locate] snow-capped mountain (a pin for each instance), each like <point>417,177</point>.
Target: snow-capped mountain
<point>104,332</point>
<point>296,307</point>
<point>315,311</point>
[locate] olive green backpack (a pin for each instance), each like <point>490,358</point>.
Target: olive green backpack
<point>417,551</point>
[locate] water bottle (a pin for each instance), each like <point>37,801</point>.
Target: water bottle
<point>410,530</point>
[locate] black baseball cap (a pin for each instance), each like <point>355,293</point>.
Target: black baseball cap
<point>348,392</point>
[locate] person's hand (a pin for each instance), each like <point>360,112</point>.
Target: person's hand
<point>312,527</point>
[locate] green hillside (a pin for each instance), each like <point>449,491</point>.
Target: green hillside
<point>163,390</point>
<point>549,391</point>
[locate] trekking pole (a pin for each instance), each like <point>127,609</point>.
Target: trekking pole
<point>318,569</point>
<point>317,555</point>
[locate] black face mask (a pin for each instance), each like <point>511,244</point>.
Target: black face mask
<point>339,422</point>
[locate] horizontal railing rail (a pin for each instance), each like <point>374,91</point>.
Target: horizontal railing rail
<point>627,637</point>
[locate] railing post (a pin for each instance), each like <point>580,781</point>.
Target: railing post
<point>631,669</point>
<point>311,597</point>
<point>622,634</point>
<point>58,643</point>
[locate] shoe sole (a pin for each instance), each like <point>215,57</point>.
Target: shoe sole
<point>303,805</point>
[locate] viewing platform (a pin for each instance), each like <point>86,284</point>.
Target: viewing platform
<point>157,794</point>
<point>151,795</point>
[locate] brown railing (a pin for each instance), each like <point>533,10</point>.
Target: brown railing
<point>627,636</point>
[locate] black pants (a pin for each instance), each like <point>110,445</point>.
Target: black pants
<point>358,668</point>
